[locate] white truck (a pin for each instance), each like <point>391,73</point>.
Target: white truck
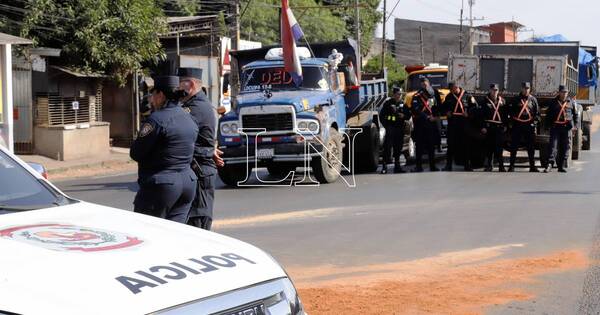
<point>64,256</point>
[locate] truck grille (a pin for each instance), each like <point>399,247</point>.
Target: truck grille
<point>271,122</point>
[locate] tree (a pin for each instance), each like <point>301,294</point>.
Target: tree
<point>369,18</point>
<point>108,36</point>
<point>261,22</point>
<point>395,71</point>
<point>180,7</point>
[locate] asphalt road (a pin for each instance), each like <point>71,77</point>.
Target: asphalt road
<point>407,217</point>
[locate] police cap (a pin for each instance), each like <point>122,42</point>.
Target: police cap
<point>165,84</point>
<point>396,90</point>
<point>562,88</point>
<point>190,73</point>
<point>494,86</point>
<point>526,85</point>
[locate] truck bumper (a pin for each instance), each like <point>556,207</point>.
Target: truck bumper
<point>284,152</point>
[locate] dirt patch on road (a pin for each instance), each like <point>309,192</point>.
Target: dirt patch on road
<point>454,283</point>
<point>104,169</point>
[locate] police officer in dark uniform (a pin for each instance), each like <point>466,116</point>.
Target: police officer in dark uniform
<point>393,117</point>
<point>164,150</point>
<point>457,106</point>
<point>205,153</point>
<point>561,117</point>
<point>424,109</point>
<point>494,117</point>
<point>524,114</point>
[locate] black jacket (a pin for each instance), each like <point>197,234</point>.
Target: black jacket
<point>425,106</point>
<point>205,116</point>
<point>452,108</point>
<point>568,118</point>
<point>528,115</point>
<point>394,114</point>
<point>494,112</point>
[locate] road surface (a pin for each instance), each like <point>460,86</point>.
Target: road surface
<point>460,243</point>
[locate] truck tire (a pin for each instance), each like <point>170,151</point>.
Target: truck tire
<point>367,160</point>
<point>587,136</point>
<point>324,172</point>
<point>233,174</point>
<point>280,170</point>
<point>577,141</point>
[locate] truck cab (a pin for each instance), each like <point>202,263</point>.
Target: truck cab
<point>278,124</point>
<point>437,75</point>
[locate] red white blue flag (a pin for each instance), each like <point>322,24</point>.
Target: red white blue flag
<point>290,34</point>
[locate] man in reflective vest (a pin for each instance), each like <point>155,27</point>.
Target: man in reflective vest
<point>393,117</point>
<point>457,106</point>
<point>561,117</point>
<point>524,114</point>
<point>424,109</point>
<point>494,117</point>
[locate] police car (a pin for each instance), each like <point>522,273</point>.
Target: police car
<point>64,256</point>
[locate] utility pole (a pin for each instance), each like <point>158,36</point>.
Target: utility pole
<point>357,30</point>
<point>235,42</point>
<point>460,35</point>
<point>421,43</point>
<point>383,40</point>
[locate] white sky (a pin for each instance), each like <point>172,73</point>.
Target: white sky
<point>578,20</point>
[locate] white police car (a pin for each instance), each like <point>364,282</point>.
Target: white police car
<point>63,256</point>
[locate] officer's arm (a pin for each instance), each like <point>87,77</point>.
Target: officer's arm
<point>538,115</point>
<point>146,140</point>
<point>207,130</point>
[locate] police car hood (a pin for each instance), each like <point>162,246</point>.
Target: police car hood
<point>88,259</point>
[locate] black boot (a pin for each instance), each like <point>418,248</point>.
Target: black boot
<point>384,169</point>
<point>398,168</point>
<point>548,168</point>
<point>448,167</point>
<point>562,170</point>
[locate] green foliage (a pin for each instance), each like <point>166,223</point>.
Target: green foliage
<point>261,22</point>
<point>109,36</point>
<point>180,7</point>
<point>396,72</point>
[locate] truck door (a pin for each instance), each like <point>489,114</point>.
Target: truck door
<point>464,71</point>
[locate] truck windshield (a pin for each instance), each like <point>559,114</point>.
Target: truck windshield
<point>20,190</point>
<point>276,78</point>
<point>438,80</point>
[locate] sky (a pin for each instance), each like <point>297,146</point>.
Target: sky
<point>578,20</point>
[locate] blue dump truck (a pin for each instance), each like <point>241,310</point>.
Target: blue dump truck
<point>328,123</point>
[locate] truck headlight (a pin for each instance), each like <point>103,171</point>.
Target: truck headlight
<point>307,125</point>
<point>229,128</point>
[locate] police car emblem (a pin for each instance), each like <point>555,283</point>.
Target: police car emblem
<point>66,237</point>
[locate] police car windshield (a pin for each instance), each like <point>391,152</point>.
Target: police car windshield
<point>20,190</point>
<point>438,80</point>
<point>276,78</point>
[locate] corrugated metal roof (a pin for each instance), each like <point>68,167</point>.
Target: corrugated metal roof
<point>9,39</point>
<point>79,74</point>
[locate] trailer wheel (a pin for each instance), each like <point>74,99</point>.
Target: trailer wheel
<point>328,170</point>
<point>370,147</point>
<point>587,136</point>
<point>233,174</point>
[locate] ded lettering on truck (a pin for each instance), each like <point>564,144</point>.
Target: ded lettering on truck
<point>162,274</point>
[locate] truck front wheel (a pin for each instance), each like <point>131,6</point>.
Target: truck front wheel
<point>233,174</point>
<point>327,167</point>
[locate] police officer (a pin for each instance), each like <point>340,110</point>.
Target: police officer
<point>206,156</point>
<point>524,114</point>
<point>457,106</point>
<point>561,117</point>
<point>494,117</point>
<point>424,110</point>
<point>393,117</point>
<point>164,150</point>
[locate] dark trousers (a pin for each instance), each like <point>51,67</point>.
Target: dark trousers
<point>166,195</point>
<point>394,140</point>
<point>560,146</point>
<point>494,144</point>
<point>425,136</point>
<point>202,207</point>
<point>458,141</point>
<point>526,133</point>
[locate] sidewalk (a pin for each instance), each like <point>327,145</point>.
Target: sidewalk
<point>117,161</point>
